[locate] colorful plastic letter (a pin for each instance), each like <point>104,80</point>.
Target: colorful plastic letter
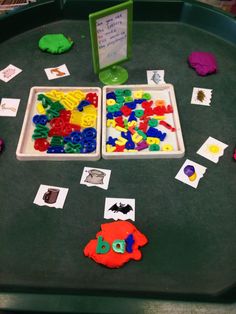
<point>119,246</point>
<point>102,246</point>
<point>129,243</point>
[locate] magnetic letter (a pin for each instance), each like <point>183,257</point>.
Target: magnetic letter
<point>119,246</point>
<point>129,242</point>
<point>102,246</point>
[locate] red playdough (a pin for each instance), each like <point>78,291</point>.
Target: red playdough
<point>203,62</point>
<point>118,230</point>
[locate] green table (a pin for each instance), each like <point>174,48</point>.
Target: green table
<point>191,253</point>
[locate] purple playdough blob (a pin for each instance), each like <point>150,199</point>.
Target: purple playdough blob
<point>189,170</point>
<point>1,145</point>
<point>203,62</point>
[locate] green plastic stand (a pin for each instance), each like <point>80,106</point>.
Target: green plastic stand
<point>114,75</point>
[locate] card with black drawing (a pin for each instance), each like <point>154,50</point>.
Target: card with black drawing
<point>155,77</point>
<point>119,208</point>
<point>96,177</point>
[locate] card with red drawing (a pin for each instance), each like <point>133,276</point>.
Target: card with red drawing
<point>57,72</point>
<point>9,73</point>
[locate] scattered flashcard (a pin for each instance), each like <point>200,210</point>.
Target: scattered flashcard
<point>201,96</point>
<point>96,177</point>
<point>212,149</point>
<point>9,72</point>
<point>51,196</point>
<point>9,107</point>
<point>119,208</point>
<point>190,173</point>
<point>57,72</point>
<point>155,77</point>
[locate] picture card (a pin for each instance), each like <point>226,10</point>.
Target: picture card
<point>51,196</point>
<point>119,208</point>
<point>212,149</point>
<point>9,72</point>
<point>201,96</point>
<point>96,177</point>
<point>191,173</point>
<point>9,107</point>
<point>57,72</point>
<point>155,77</point>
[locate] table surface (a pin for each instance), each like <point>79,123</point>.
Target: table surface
<point>191,252</point>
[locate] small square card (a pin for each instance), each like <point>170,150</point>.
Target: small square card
<point>155,77</point>
<point>119,208</point>
<point>212,149</point>
<point>51,196</point>
<point>96,177</point>
<point>201,96</point>
<point>9,107</point>
<point>190,173</point>
<point>57,72</point>
<point>9,72</point>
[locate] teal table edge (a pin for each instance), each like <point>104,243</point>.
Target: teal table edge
<point>193,13</point>
<point>187,12</point>
<point>79,303</point>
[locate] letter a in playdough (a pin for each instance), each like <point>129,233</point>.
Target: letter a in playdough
<point>119,246</point>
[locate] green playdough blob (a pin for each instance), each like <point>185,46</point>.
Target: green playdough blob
<point>55,43</point>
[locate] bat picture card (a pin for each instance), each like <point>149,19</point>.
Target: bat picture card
<point>119,208</point>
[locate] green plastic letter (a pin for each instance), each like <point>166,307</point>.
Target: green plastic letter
<point>102,247</point>
<point>119,246</point>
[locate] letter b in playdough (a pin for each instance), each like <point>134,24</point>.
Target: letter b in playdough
<point>102,247</point>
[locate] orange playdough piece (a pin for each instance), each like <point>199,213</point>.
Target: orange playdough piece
<point>118,230</point>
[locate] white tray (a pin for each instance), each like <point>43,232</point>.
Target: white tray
<point>25,149</point>
<point>165,92</point>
